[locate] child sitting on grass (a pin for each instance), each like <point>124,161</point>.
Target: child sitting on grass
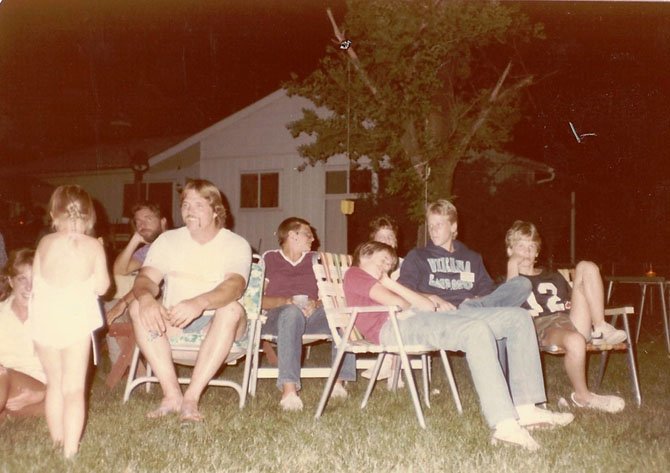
<point>564,317</point>
<point>69,273</point>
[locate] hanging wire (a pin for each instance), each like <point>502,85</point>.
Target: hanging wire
<point>425,201</point>
<point>348,123</point>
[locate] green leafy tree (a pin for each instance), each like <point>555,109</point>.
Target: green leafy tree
<point>422,83</point>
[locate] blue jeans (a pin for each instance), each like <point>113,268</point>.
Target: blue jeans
<point>512,293</point>
<point>475,331</point>
<point>289,324</point>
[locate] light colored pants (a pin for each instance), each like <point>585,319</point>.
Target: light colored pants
<point>474,330</point>
<point>289,324</point>
<point>512,293</point>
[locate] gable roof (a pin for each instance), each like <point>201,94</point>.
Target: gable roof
<point>219,126</point>
<point>101,157</point>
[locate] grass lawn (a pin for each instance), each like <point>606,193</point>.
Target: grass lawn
<point>384,437</point>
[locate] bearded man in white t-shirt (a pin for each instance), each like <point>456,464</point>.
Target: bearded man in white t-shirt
<point>205,267</point>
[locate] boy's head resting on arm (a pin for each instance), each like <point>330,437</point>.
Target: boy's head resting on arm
<point>375,258</point>
<point>71,209</point>
<point>521,230</point>
<point>523,245</point>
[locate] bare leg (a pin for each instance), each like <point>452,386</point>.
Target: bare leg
<point>228,324</point>
<point>75,364</point>
<point>159,356</point>
<point>20,395</point>
<point>588,299</point>
<point>4,387</point>
<point>575,357</point>
<point>53,404</point>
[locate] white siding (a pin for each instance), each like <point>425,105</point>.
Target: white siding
<point>256,139</point>
<point>301,194</point>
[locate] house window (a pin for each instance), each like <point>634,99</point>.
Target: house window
<point>259,190</point>
<point>360,181</point>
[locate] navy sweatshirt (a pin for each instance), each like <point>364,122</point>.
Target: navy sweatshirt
<point>454,276</point>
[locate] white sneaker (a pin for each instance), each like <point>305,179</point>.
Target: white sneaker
<point>339,391</point>
<point>611,404</point>
<point>509,431</point>
<point>291,403</point>
<point>533,417</point>
<point>607,334</point>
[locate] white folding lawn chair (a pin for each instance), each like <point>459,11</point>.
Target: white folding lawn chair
<point>331,268</point>
<point>185,348</point>
<point>341,320</point>
<point>613,313</point>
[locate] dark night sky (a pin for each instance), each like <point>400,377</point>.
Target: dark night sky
<point>165,67</point>
<point>71,71</point>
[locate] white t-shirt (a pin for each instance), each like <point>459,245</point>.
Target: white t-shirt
<point>196,268</point>
<point>16,346</point>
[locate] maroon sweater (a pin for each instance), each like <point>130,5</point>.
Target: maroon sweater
<point>286,279</point>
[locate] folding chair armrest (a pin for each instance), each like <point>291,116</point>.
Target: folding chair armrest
<point>619,310</point>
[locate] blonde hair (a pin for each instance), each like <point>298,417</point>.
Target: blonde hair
<point>521,229</point>
<point>72,202</point>
<point>211,194</point>
<point>443,207</point>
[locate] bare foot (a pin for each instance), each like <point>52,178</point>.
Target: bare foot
<point>23,399</point>
<point>190,412</point>
<point>168,406</point>
<point>70,455</point>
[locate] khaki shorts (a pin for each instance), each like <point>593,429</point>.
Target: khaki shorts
<point>559,320</point>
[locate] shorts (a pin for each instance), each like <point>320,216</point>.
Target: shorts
<point>559,320</point>
<point>199,324</point>
<point>194,333</point>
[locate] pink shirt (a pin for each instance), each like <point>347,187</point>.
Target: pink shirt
<point>357,287</point>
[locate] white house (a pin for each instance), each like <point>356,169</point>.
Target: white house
<point>250,156</point>
<point>253,159</point>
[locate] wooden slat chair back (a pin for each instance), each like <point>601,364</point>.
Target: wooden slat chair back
<point>341,320</point>
<point>185,347</point>
<point>331,266</point>
<point>121,332</point>
<point>604,349</point>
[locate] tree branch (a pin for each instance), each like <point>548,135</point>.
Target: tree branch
<point>496,95</point>
<point>352,55</point>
